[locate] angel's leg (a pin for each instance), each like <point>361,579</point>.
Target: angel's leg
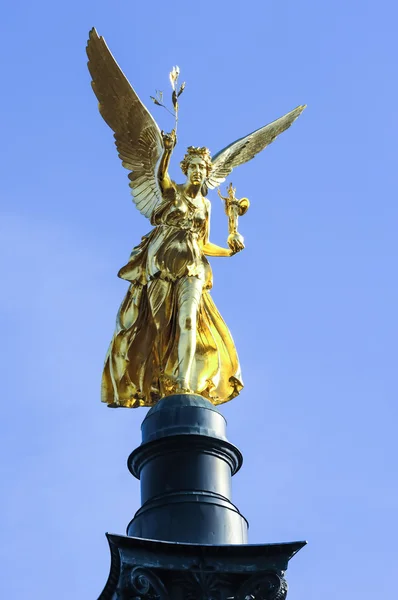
<point>189,295</point>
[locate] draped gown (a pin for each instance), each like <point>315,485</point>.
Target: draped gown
<point>142,361</point>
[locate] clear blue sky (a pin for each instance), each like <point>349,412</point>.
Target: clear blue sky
<point>311,302</point>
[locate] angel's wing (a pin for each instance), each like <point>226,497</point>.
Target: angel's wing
<point>247,147</point>
<point>137,136</point>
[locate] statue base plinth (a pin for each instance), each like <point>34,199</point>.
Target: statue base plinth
<point>188,541</point>
<point>185,464</point>
<point>151,569</point>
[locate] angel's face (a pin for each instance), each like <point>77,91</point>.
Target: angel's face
<point>197,171</point>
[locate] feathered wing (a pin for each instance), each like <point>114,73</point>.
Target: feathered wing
<point>247,147</point>
<point>137,136</point>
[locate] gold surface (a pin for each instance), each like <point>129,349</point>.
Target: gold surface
<point>234,208</point>
<point>169,334</point>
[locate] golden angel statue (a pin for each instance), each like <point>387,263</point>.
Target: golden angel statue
<point>170,337</point>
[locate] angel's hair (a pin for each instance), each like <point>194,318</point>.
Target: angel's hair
<point>192,151</point>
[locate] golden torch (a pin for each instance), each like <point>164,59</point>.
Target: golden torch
<point>234,208</point>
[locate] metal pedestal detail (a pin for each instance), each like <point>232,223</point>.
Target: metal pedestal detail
<point>185,464</point>
<point>188,541</point>
<point>154,570</point>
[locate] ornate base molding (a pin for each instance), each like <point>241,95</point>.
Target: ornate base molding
<point>153,570</point>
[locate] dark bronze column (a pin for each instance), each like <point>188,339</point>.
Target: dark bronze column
<point>188,541</point>
<point>185,464</point>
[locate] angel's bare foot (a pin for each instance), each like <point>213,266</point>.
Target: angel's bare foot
<point>183,387</point>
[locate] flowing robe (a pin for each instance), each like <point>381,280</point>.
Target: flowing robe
<point>142,361</point>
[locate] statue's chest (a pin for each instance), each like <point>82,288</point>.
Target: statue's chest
<point>186,213</point>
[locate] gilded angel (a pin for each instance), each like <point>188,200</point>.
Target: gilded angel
<point>169,335</point>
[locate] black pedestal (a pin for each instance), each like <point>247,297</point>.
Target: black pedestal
<point>149,569</point>
<point>185,465</point>
<point>188,541</point>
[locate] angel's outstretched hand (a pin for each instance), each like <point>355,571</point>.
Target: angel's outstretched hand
<point>169,139</point>
<point>235,242</point>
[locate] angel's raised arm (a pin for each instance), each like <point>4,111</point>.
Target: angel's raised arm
<point>169,141</point>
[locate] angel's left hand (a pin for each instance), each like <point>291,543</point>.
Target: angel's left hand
<point>235,242</point>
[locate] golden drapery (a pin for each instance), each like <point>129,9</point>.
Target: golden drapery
<point>142,361</point>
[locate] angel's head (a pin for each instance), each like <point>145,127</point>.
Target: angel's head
<point>196,165</point>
